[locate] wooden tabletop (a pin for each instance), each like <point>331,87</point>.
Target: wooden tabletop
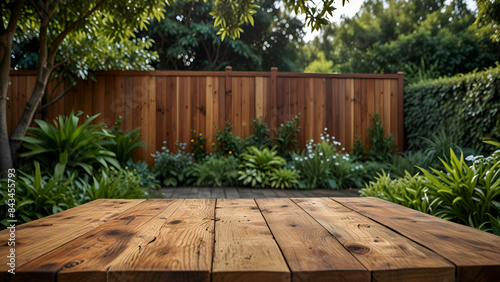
<point>314,239</point>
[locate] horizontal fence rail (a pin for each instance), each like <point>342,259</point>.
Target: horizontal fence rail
<point>168,104</point>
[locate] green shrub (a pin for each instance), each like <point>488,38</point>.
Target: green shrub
<point>358,149</point>
<point>260,137</point>
<point>228,143</point>
<point>198,145</point>
<point>463,193</point>
<point>173,169</point>
<point>115,184</point>
<point>408,191</point>
<point>467,194</point>
<point>148,178</point>
<point>217,171</point>
<point>408,162</point>
<point>284,178</point>
<point>41,194</point>
<point>381,146</point>
<point>69,146</point>
<point>468,102</point>
<point>258,165</point>
<point>322,166</point>
<point>124,144</point>
<point>286,139</point>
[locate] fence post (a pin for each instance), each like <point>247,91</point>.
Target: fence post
<point>401,114</point>
<point>229,95</point>
<point>273,102</point>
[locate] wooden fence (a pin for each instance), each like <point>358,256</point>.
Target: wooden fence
<point>167,104</point>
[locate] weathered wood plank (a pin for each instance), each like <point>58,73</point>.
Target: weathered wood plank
<point>244,247</point>
<point>388,255</point>
<point>181,249</point>
<point>475,253</point>
<point>118,239</point>
<point>311,252</point>
<point>37,238</point>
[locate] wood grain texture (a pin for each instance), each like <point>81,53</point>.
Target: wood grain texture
<point>388,255</point>
<point>244,247</point>
<point>311,252</point>
<point>180,251</point>
<point>475,253</point>
<point>38,238</point>
<point>127,234</point>
<point>98,246</point>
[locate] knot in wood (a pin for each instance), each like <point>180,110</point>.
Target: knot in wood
<point>358,249</point>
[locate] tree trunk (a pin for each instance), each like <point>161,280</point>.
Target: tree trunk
<point>42,80</point>
<point>6,37</point>
<point>5,159</point>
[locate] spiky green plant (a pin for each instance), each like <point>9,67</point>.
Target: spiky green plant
<point>69,146</point>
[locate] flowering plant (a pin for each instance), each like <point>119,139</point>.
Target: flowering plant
<point>325,165</point>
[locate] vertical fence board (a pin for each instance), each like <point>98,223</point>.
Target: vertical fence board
<point>161,112</point>
<point>202,104</point>
<point>386,115</point>
<point>236,105</point>
<point>259,98</point>
<point>251,102</point>
<point>394,107</point>
<point>211,111</point>
<point>245,107</point>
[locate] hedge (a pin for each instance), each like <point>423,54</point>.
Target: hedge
<point>467,105</point>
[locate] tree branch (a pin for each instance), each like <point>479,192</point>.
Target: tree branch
<point>14,16</point>
<point>217,55</point>
<point>59,39</point>
<point>58,97</point>
<point>60,63</point>
<point>206,50</point>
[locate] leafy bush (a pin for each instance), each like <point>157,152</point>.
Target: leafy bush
<point>173,169</point>
<point>322,166</point>
<point>358,149</point>
<point>148,178</point>
<point>124,144</point>
<point>228,143</point>
<point>41,194</point>
<point>217,171</point>
<point>69,146</point>
<point>467,194</point>
<point>258,165</point>
<point>260,137</point>
<point>408,191</point>
<point>115,184</point>
<point>381,146</point>
<point>463,193</point>
<point>284,178</point>
<point>287,137</point>
<point>198,145</point>
<point>408,162</point>
<point>468,102</point>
